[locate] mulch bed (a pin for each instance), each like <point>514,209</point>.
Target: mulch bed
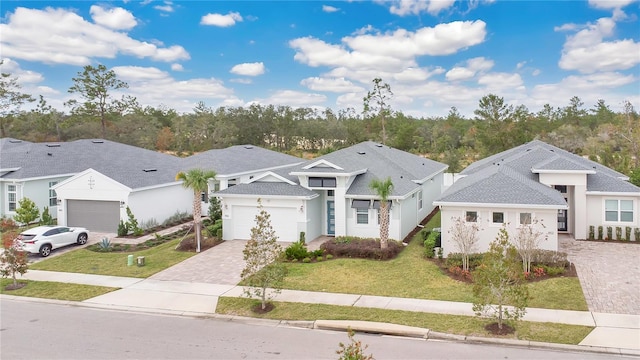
<point>569,272</point>
<point>11,286</point>
<point>257,308</point>
<point>495,330</point>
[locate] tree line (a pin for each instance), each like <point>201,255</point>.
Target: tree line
<point>611,138</point>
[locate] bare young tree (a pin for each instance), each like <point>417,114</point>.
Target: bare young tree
<point>263,256</point>
<point>499,288</point>
<point>465,236</point>
<point>527,240</point>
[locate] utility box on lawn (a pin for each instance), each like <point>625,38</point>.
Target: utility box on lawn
<point>140,260</point>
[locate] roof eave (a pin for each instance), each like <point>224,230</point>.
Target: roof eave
<point>495,205</point>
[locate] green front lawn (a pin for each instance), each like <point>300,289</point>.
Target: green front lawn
<point>451,324</point>
<point>86,261</point>
<point>55,290</point>
<point>411,276</point>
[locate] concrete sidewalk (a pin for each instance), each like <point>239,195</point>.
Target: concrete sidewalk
<point>191,298</point>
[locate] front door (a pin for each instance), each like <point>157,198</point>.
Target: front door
<point>562,220</point>
<point>331,218</point>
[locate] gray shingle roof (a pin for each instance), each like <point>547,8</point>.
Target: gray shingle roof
<point>488,179</point>
<point>123,163</point>
<point>260,188</point>
<point>239,159</point>
<point>380,162</point>
<point>501,185</point>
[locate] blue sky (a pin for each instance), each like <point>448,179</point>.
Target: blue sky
<point>433,54</point>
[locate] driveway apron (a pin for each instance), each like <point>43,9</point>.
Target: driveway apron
<point>221,264</point>
<point>609,274</point>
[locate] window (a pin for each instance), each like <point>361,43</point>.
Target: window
<point>618,210</point>
<point>561,188</point>
<point>330,193</point>
<point>53,197</point>
<point>420,200</point>
<point>362,216</point>
<point>498,218</point>
<point>525,218</point>
<point>322,182</point>
<point>471,216</point>
<point>12,197</point>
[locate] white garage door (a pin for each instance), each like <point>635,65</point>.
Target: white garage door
<point>283,221</point>
<point>103,216</point>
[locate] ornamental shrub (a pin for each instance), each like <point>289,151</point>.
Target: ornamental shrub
<point>296,251</point>
<point>627,233</point>
<point>592,234</point>
<point>429,245</point>
<point>455,259</point>
<point>600,232</point>
<point>361,248</point>
<point>609,233</point>
<point>636,234</point>
<point>618,233</point>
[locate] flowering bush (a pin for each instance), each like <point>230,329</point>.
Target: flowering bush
<point>457,271</point>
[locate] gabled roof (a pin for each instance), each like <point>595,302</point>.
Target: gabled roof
<point>501,185</point>
<point>512,177</point>
<point>372,160</point>
<point>129,165</point>
<point>267,188</point>
<point>240,159</point>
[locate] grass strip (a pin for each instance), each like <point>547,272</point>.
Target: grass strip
<point>86,261</point>
<point>452,324</point>
<point>55,290</point>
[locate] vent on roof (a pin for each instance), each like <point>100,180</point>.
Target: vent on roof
<point>53,145</point>
<point>150,170</point>
<point>97,141</point>
<point>379,145</point>
<point>50,154</point>
<point>248,147</point>
<point>361,152</point>
<point>15,141</point>
<point>551,150</point>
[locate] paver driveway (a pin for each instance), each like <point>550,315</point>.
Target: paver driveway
<point>609,274</point>
<point>221,264</point>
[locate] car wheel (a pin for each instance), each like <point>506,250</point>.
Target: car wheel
<point>45,250</point>
<point>82,239</point>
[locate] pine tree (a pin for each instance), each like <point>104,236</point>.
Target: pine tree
<point>27,212</point>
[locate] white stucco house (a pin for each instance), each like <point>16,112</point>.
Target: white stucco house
<point>330,195</point>
<point>91,182</point>
<point>564,191</point>
<point>29,170</point>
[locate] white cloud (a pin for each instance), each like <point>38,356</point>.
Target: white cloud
<point>152,86</point>
<point>248,69</point>
<point>293,98</point>
<point>245,81</point>
<point>114,18</point>
<point>177,67</point>
<point>164,8</point>
<point>501,81</point>
<point>415,7</point>
<point>610,4</point>
<point>338,85</point>
<point>221,20</point>
<point>63,37</point>
<point>391,52</point>
<point>23,77</point>
<point>474,66</point>
<point>329,9</point>
<point>587,52</point>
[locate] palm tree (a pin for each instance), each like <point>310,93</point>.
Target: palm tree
<point>198,181</point>
<point>383,189</point>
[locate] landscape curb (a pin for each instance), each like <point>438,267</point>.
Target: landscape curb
<point>343,325</point>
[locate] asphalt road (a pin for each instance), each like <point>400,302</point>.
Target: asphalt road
<point>35,330</point>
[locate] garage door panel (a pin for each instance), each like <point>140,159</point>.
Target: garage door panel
<point>283,221</point>
<point>101,216</point>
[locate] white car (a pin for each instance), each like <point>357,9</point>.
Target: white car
<point>42,239</point>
